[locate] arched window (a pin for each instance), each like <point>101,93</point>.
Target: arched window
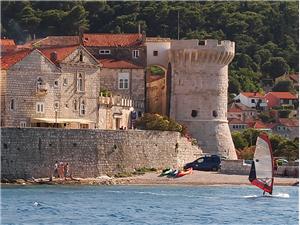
<point>80,57</point>
<point>75,105</point>
<point>80,86</point>
<point>215,113</point>
<point>12,104</point>
<point>82,107</point>
<point>39,82</point>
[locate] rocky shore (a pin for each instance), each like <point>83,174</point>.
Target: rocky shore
<point>196,178</point>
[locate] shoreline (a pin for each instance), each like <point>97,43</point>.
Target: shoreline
<point>198,178</point>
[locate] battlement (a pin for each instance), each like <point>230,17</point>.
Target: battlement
<point>200,52</point>
<point>224,45</point>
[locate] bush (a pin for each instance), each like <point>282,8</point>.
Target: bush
<point>104,93</point>
<point>284,113</point>
<point>155,70</point>
<point>157,122</point>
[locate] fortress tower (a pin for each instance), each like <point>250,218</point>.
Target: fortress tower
<point>197,82</point>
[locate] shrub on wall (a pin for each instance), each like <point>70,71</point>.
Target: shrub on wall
<point>157,122</point>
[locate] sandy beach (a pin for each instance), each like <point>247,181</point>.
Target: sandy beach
<point>153,178</point>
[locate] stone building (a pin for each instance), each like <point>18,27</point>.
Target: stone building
<point>123,57</point>
<point>50,87</point>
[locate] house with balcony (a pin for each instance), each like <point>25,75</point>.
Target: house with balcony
<point>124,59</point>
<point>253,100</point>
<point>281,99</point>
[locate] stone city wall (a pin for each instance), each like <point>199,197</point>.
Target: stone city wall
<point>32,152</point>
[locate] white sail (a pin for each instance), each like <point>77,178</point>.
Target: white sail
<point>261,174</point>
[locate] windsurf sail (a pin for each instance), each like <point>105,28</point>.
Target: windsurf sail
<point>262,172</point>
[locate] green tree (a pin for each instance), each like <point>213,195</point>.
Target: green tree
<point>239,141</point>
<point>275,67</point>
<point>283,86</point>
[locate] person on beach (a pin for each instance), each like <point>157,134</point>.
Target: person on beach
<point>55,172</point>
<point>61,170</point>
<point>66,170</point>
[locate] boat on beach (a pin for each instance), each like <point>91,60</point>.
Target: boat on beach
<point>185,172</point>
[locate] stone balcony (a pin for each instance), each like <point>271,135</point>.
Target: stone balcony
<point>41,89</point>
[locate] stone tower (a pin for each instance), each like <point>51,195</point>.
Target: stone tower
<point>197,80</point>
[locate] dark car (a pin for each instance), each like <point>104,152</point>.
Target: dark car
<point>205,163</point>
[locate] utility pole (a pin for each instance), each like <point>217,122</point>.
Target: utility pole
<point>178,24</point>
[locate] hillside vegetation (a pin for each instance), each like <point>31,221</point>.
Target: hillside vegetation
<point>266,33</point>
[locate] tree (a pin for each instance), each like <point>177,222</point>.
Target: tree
<point>275,67</point>
<point>29,20</point>
<point>239,141</point>
<point>283,86</point>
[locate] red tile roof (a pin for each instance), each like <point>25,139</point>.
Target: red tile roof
<point>236,121</point>
<point>257,124</point>
<point>57,41</point>
<point>62,52</point>
<point>12,58</point>
<point>294,77</point>
<point>288,122</point>
<point>283,95</point>
<point>7,42</point>
<point>118,64</point>
<point>112,40</point>
<point>252,94</point>
<point>234,109</point>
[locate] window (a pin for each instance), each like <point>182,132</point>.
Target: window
<point>12,104</point>
<point>123,80</point>
<point>80,57</point>
<point>194,113</point>
<point>75,105</point>
<point>80,82</point>
<point>23,124</point>
<point>56,104</point>
<point>82,108</point>
<point>39,107</point>
<point>135,54</point>
<point>104,52</point>
<point>252,100</point>
<point>155,53</point>
<point>215,113</point>
<point>65,83</point>
<point>56,83</point>
<point>39,82</point>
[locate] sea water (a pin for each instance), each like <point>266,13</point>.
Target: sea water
<point>161,205</point>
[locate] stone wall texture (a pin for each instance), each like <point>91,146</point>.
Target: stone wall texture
<point>32,152</point>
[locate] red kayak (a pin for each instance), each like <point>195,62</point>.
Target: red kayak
<point>186,172</point>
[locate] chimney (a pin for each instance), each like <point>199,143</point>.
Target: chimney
<point>80,36</point>
<point>53,56</point>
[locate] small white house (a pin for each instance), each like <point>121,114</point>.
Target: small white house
<point>252,99</point>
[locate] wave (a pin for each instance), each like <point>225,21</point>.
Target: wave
<point>278,195</point>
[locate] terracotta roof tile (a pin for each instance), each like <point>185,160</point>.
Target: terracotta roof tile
<point>112,40</point>
<point>56,41</point>
<point>12,58</point>
<point>288,122</point>
<point>236,121</point>
<point>294,77</point>
<point>118,64</point>
<point>7,42</point>
<point>257,124</point>
<point>62,52</point>
<point>252,94</point>
<point>283,95</point>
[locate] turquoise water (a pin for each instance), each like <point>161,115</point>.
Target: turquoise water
<point>161,205</point>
